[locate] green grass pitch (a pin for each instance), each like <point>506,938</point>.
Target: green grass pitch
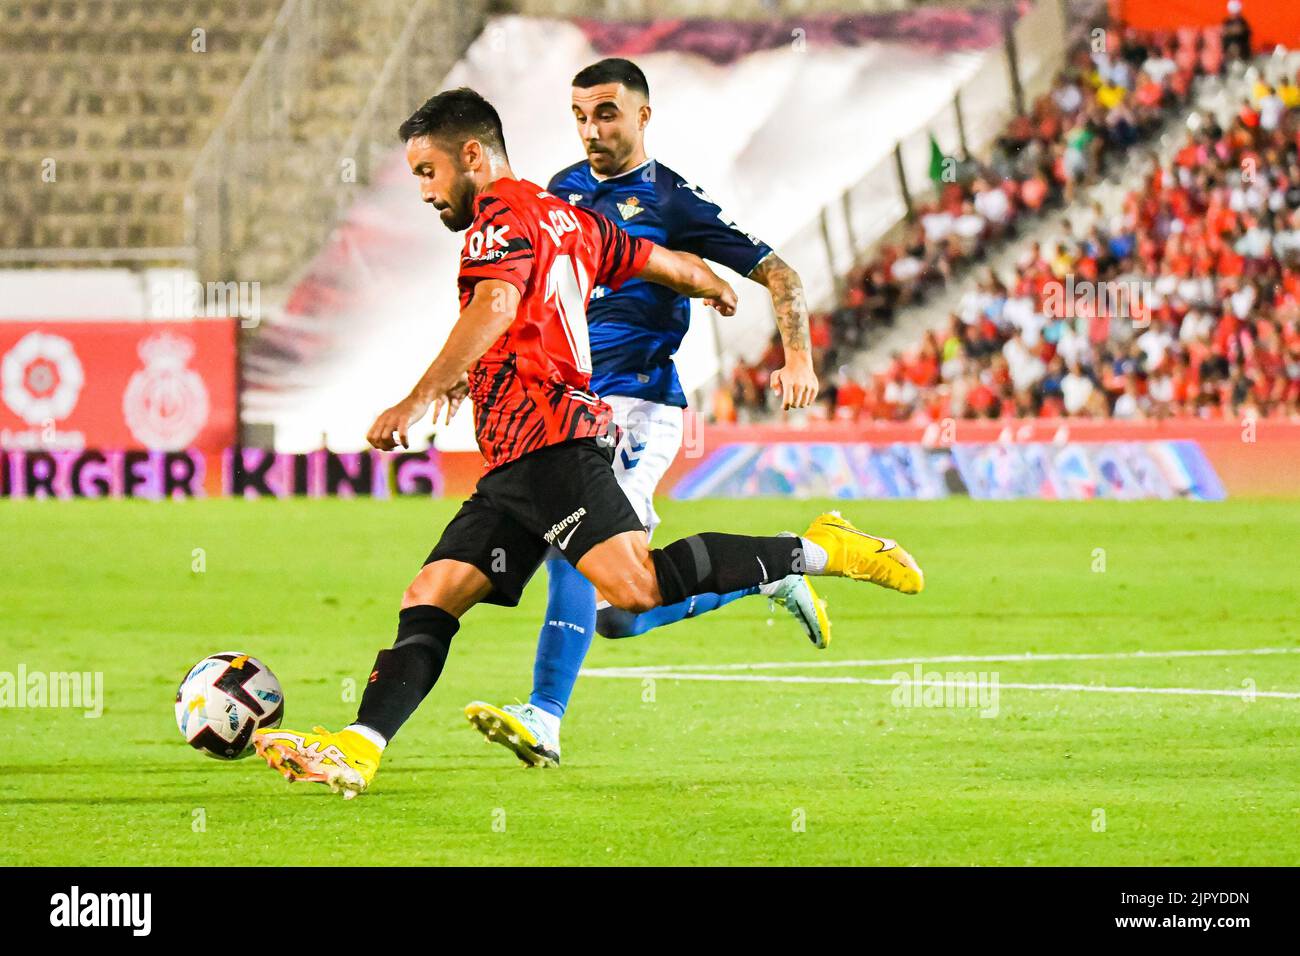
<point>674,771</point>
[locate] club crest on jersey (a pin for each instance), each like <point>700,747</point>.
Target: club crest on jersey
<point>630,208</point>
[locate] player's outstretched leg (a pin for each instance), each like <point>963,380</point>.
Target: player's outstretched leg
<point>402,677</point>
<point>794,592</point>
<point>639,581</point>
<point>616,623</point>
<point>635,578</point>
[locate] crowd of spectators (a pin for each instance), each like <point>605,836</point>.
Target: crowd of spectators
<point>1182,302</point>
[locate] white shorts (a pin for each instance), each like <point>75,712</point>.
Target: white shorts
<point>651,436</point>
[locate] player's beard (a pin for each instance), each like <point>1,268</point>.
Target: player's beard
<point>459,213</point>
<point>603,160</point>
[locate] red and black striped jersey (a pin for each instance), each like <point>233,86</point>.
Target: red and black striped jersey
<point>531,388</point>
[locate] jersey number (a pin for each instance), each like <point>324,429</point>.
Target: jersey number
<point>566,283</point>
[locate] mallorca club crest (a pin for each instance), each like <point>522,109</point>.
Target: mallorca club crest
<point>42,378</point>
<point>165,403</point>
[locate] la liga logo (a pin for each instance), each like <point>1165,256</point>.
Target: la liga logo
<point>165,404</point>
<point>41,378</point>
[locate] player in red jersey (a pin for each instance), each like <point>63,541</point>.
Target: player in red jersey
<point>519,349</point>
<point>530,387</point>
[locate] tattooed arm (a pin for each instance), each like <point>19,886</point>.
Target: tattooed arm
<point>795,381</point>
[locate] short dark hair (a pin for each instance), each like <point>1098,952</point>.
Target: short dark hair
<point>613,70</point>
<point>455,116</point>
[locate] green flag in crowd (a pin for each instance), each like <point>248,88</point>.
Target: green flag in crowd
<point>937,160</point>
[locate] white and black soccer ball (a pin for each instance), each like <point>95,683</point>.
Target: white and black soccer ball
<point>223,699</point>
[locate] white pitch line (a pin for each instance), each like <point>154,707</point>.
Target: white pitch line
<point>882,682</point>
<point>653,669</point>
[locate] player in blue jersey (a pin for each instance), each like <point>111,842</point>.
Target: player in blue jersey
<point>634,332</point>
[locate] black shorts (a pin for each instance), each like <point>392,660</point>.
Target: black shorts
<point>564,495</point>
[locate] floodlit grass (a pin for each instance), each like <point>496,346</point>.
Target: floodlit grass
<point>672,771</point>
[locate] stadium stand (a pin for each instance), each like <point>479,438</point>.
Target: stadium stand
<point>208,133</point>
<point>117,97</point>
<point>1202,254</point>
<point>140,105</point>
<point>329,355</point>
<point>328,91</point>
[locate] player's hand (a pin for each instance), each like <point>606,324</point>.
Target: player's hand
<point>796,383</point>
<point>397,419</point>
<point>451,400</point>
<point>724,302</point>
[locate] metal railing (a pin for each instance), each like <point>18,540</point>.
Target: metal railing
<point>383,112</point>
<point>136,256</point>
<point>1021,68</point>
<point>846,229</point>
<point>299,137</point>
<point>844,232</point>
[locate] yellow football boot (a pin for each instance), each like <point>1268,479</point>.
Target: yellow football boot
<point>851,553</point>
<point>346,762</point>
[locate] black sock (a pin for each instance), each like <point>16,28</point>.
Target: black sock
<point>404,675</point>
<point>721,563</point>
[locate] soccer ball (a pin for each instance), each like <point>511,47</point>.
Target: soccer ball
<point>223,699</point>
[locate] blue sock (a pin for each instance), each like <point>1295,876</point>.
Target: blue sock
<point>613,622</point>
<point>565,637</point>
